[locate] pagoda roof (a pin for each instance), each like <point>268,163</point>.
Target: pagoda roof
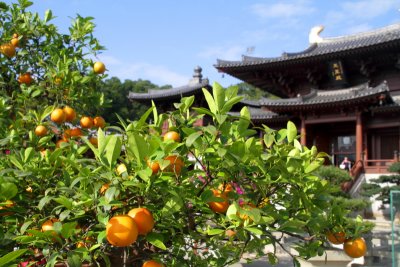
<point>325,98</point>
<point>194,86</point>
<point>322,49</point>
<point>257,114</point>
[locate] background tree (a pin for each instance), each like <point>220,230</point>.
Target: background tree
<point>381,187</point>
<point>251,92</point>
<point>337,177</point>
<point>116,94</point>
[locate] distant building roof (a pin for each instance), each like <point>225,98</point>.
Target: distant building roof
<point>324,47</point>
<point>194,86</point>
<point>326,98</point>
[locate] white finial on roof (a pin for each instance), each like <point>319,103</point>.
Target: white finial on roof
<point>314,37</point>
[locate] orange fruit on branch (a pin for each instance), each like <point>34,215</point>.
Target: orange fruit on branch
<point>99,67</point>
<point>94,141</point>
<point>25,78</point>
<point>336,238</point>
<point>154,166</point>
<point>58,116</point>
<point>40,130</point>
<point>121,231</point>
<point>152,263</point>
<point>172,135</point>
<point>48,225</point>
<point>175,164</point>
<point>225,188</point>
<point>86,122</point>
<point>143,219</point>
<point>59,142</point>
<point>121,169</point>
<point>104,188</point>
<point>8,50</point>
<point>76,132</point>
<point>246,207</point>
<point>70,113</point>
<point>219,207</point>
<point>355,248</point>
<point>15,40</point>
<point>6,205</point>
<point>99,122</point>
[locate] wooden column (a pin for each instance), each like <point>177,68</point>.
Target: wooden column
<point>359,135</point>
<point>303,136</point>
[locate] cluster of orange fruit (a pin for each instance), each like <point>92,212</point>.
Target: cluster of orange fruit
<point>176,163</point>
<point>123,230</point>
<point>354,248</point>
<point>68,114</point>
<point>8,49</point>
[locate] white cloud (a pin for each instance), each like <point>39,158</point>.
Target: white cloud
<point>109,60</point>
<point>157,74</point>
<point>282,10</point>
<point>368,9</point>
<point>359,12</point>
<point>223,52</point>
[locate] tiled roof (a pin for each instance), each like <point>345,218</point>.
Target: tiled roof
<point>186,90</point>
<point>259,114</point>
<point>375,38</point>
<point>194,86</point>
<point>342,97</point>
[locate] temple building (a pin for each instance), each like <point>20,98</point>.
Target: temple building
<point>343,93</point>
<point>164,99</point>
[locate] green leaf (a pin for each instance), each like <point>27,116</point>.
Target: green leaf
<point>313,166</point>
<point>192,138</point>
<point>66,202</point>
<point>8,191</point>
<point>207,196</point>
<point>294,225</point>
<point>203,111</point>
<point>244,120</point>
<point>25,226</point>
<point>68,229</point>
<point>269,139</point>
<point>43,202</point>
<point>74,259</point>
<point>137,147</point>
<point>219,96</point>
<point>254,230</point>
<point>231,213</point>
<point>156,239</point>
<point>16,162</point>
<point>113,150</point>
<point>11,257</point>
<point>272,259</point>
<point>144,117</point>
<point>215,231</point>
<point>210,101</point>
<point>291,131</point>
<point>155,113</point>
<point>48,16</point>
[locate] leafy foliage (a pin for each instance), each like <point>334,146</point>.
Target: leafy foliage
<point>116,92</point>
<point>381,187</point>
<point>76,187</point>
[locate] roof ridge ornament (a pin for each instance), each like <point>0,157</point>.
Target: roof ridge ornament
<point>313,37</point>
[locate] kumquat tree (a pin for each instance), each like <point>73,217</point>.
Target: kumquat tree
<point>75,191</point>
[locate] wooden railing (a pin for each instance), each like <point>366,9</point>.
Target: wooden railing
<point>355,172</point>
<point>357,169</point>
<point>378,165</point>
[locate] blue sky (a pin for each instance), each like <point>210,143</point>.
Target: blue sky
<point>162,41</point>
